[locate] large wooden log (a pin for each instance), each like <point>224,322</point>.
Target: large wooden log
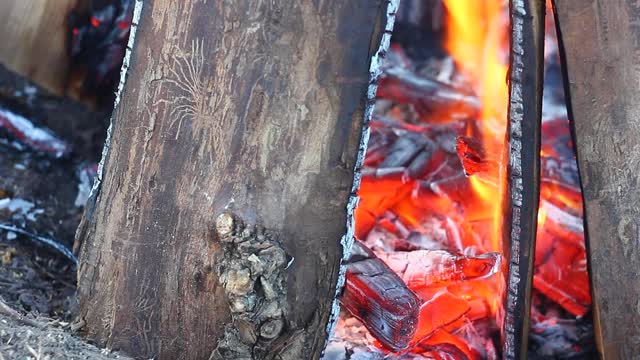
<point>253,107</point>
<point>34,40</point>
<point>601,48</point>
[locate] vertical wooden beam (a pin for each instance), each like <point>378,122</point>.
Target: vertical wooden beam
<point>523,169</point>
<point>601,41</point>
<point>33,40</point>
<point>254,107</point>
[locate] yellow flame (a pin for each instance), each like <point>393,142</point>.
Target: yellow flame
<point>476,36</point>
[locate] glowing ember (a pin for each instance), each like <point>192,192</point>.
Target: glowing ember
<point>430,217</point>
<point>378,297</point>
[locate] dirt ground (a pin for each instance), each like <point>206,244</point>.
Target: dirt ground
<point>38,307</point>
<point>43,195</point>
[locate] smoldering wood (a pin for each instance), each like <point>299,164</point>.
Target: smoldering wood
<point>72,121</point>
<point>253,107</point>
<point>427,95</point>
<point>600,48</point>
<point>377,296</point>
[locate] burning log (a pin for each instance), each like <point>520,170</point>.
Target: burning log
<point>377,296</point>
<point>445,345</point>
<point>425,268</point>
<point>441,310</point>
<point>390,310</point>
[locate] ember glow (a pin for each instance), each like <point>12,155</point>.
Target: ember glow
<point>430,212</point>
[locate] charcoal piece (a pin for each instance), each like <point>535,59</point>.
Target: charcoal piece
<point>560,171</point>
<point>418,166</point>
<point>405,148</point>
<point>456,188</point>
<point>562,339</point>
<point>375,295</point>
<point>427,95</point>
<point>98,39</point>
<point>443,345</point>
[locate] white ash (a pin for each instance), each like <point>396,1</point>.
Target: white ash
<point>352,341</point>
<point>20,208</point>
<point>35,134</point>
<point>86,177</point>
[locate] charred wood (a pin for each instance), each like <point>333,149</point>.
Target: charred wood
<point>380,299</point>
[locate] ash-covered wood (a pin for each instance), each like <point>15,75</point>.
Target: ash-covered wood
<point>602,79</point>
<point>254,107</point>
<point>427,95</point>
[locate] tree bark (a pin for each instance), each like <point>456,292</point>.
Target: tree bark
<point>601,48</point>
<point>34,40</point>
<point>218,218</point>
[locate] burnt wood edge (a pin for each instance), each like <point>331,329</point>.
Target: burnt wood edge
<point>378,47</point>
<point>526,65</point>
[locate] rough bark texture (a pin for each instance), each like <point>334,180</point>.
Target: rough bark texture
<point>249,106</point>
<point>601,45</point>
<point>33,39</point>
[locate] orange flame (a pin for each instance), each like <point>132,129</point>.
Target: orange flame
<point>476,38</point>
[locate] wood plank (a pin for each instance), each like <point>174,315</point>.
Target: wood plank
<point>601,41</point>
<point>248,106</point>
<point>33,40</point>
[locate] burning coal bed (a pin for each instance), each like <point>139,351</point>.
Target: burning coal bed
<point>423,280</point>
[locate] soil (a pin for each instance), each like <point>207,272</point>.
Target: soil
<point>38,307</point>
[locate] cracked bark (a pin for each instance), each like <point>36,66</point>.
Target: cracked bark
<point>252,107</point>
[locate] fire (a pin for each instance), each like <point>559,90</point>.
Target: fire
<point>429,221</point>
<point>476,37</point>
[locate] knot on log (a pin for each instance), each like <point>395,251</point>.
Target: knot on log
<point>252,273</point>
